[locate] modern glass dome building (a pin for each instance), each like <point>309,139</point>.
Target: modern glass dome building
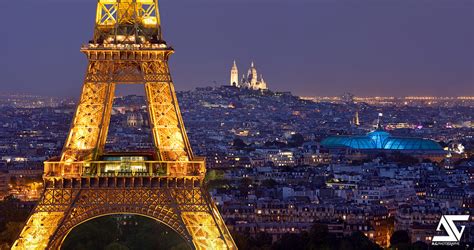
<point>381,140</point>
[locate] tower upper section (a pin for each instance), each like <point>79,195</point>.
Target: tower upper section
<point>127,22</point>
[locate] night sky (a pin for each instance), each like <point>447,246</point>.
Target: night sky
<point>309,47</point>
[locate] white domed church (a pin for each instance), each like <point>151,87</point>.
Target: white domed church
<point>249,81</point>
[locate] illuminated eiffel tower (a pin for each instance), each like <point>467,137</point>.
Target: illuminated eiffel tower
<point>86,182</point>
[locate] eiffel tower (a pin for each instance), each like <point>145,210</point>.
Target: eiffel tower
<point>86,182</point>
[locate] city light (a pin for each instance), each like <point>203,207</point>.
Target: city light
<point>352,140</point>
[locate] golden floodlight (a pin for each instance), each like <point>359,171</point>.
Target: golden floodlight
<point>127,48</point>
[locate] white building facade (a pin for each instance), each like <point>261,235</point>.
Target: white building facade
<point>249,81</point>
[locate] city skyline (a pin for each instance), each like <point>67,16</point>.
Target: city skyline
<point>263,158</point>
<point>394,48</point>
<point>263,136</point>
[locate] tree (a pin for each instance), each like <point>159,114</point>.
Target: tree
<point>242,241</point>
<point>400,239</point>
<point>360,241</point>
<point>292,241</point>
<point>244,186</point>
<point>12,218</point>
<point>427,161</point>
<point>269,183</point>
<point>94,234</point>
<point>215,184</point>
<point>277,144</point>
<point>296,140</point>
<point>12,230</point>
<point>262,240</point>
<point>319,237</point>
<point>123,232</point>
<point>116,246</point>
<point>404,159</point>
<point>420,245</point>
<point>239,144</point>
<point>12,210</point>
<point>257,242</point>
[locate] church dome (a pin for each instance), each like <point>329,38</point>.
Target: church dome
<point>357,142</point>
<point>400,143</point>
<point>380,139</point>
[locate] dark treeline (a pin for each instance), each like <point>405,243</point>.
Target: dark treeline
<point>319,238</point>
<point>123,232</point>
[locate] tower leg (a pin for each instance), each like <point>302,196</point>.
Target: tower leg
<point>90,125</point>
<point>167,125</point>
<point>169,134</point>
<point>203,221</point>
<point>45,219</point>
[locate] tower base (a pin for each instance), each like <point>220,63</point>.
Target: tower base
<point>180,203</point>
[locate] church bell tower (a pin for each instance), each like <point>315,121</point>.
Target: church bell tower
<point>234,75</point>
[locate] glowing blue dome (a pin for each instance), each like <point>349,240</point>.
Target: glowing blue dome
<point>361,142</point>
<point>398,143</point>
<point>382,140</point>
<point>379,137</point>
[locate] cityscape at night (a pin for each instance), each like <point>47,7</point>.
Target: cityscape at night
<point>274,132</point>
<point>269,169</point>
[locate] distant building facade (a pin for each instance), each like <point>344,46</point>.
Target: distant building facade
<point>135,120</point>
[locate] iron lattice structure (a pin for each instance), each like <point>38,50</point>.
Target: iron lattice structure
<point>127,49</point>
